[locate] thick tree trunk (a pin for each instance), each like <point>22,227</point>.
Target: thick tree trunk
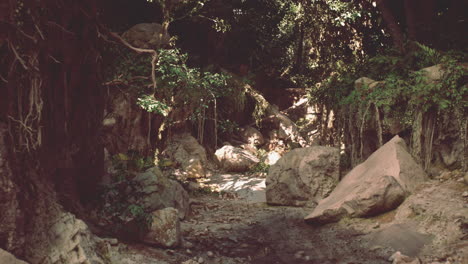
<point>51,109</point>
<point>392,24</point>
<point>419,16</point>
<point>410,15</point>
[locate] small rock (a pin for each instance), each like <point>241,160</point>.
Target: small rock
<point>209,254</point>
<point>165,228</point>
<point>465,194</point>
<point>377,225</point>
<point>188,244</point>
<point>113,241</point>
<point>201,260</point>
<point>190,261</point>
<point>299,254</point>
<point>189,251</point>
<point>375,248</point>
<point>306,258</point>
<point>398,258</point>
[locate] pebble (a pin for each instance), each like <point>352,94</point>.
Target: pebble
<point>377,225</point>
<point>465,194</point>
<point>209,254</point>
<point>299,254</point>
<point>188,244</point>
<point>113,241</point>
<point>306,258</point>
<point>201,260</point>
<point>189,251</point>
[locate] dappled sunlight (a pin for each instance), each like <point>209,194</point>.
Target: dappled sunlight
<point>246,187</point>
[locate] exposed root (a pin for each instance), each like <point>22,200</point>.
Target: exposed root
<point>379,125</point>
<point>361,130</point>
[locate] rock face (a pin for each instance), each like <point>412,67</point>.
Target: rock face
<point>8,258</point>
<point>160,192</point>
<point>378,185</point>
<point>251,136</point>
<point>235,159</point>
<point>165,228</point>
<point>303,176</point>
<point>191,156</point>
<point>147,35</point>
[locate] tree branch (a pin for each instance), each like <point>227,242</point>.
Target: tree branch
<point>140,50</point>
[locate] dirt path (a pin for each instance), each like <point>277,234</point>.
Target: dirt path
<point>239,227</point>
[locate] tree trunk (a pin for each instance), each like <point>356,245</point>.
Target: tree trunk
<point>51,110</point>
<point>392,24</point>
<point>411,23</point>
<point>300,49</point>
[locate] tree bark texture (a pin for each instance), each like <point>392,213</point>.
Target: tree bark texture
<point>392,24</point>
<point>51,109</point>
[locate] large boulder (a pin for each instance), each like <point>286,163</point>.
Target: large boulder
<point>61,239</point>
<point>164,230</point>
<point>185,151</point>
<point>159,192</point>
<point>235,159</point>
<point>303,176</point>
<point>147,35</point>
<point>251,136</point>
<point>378,185</point>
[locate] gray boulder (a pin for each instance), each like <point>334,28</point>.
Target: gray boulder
<point>164,229</point>
<point>184,150</point>
<point>147,35</point>
<point>378,185</point>
<point>159,192</point>
<point>235,159</point>
<point>303,176</point>
<point>251,136</point>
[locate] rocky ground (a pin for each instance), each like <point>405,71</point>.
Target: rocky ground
<point>234,225</point>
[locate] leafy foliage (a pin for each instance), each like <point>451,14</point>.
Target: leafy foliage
<point>119,198</point>
<point>151,105</point>
<point>405,87</point>
<point>190,86</point>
